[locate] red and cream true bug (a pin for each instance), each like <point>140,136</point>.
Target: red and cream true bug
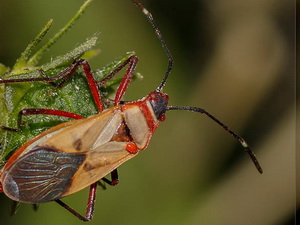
<point>76,154</point>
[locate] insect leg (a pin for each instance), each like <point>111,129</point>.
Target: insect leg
<point>67,73</point>
<point>8,129</point>
<point>14,208</point>
<point>16,205</point>
<point>93,85</point>
<point>35,207</point>
<point>54,112</point>
<point>59,85</point>
<point>132,61</point>
<point>114,178</point>
<point>126,79</point>
<point>65,76</point>
<point>28,112</point>
<point>90,205</point>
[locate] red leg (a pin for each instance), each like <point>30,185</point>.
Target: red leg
<point>89,208</point>
<point>93,85</point>
<point>28,112</point>
<point>132,61</point>
<point>126,79</point>
<point>114,178</point>
<point>65,76</point>
<point>91,199</point>
<point>54,112</point>
<point>67,73</point>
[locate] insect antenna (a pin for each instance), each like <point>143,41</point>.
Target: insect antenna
<point>240,139</point>
<point>162,41</point>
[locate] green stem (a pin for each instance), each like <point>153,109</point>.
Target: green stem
<point>36,57</point>
<point>22,61</point>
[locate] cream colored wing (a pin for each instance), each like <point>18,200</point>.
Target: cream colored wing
<point>98,163</point>
<point>84,135</point>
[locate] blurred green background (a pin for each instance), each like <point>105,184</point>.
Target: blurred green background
<point>233,58</point>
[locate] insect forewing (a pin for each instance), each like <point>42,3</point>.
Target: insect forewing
<point>67,158</point>
<point>87,134</point>
<point>98,164</point>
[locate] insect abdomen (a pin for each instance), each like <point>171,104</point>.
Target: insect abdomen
<point>42,175</point>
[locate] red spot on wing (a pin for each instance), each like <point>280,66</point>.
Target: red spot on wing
<point>131,148</point>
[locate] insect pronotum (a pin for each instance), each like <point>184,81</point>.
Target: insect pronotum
<point>76,154</point>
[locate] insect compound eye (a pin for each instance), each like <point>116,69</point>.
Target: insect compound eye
<point>163,117</point>
<point>159,102</point>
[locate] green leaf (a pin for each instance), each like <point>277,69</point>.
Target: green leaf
<point>69,57</point>
<point>3,69</point>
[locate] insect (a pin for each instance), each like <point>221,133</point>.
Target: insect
<point>76,154</point>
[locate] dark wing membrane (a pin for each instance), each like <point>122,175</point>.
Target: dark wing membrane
<point>42,175</point>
